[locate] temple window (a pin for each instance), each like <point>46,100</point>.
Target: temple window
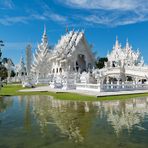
<point>57,70</point>
<point>113,64</point>
<point>77,66</point>
<point>89,66</point>
<point>60,70</point>
<point>53,71</point>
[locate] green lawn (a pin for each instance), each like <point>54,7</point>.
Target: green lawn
<point>12,90</point>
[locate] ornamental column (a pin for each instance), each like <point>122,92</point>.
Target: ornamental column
<point>118,83</point>
<point>107,82</point>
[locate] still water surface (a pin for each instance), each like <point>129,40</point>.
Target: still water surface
<point>42,122</point>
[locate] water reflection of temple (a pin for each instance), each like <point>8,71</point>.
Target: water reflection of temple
<point>74,120</point>
<point>66,115</point>
<point>126,114</point>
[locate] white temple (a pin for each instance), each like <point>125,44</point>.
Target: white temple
<point>124,66</point>
<point>72,54</point>
<point>124,56</point>
<point>71,65</point>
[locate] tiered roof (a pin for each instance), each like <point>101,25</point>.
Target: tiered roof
<point>66,45</point>
<point>126,54</point>
<point>41,54</point>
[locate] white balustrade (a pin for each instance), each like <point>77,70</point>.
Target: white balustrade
<point>110,87</point>
<point>85,86</point>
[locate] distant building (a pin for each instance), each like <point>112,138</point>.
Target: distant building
<point>28,58</point>
<point>20,70</point>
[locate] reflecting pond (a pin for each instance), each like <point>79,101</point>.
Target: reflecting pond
<point>43,122</point>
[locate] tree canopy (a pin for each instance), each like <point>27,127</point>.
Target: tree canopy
<point>101,62</point>
<point>3,72</point>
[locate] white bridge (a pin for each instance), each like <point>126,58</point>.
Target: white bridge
<point>140,72</point>
<point>111,79</point>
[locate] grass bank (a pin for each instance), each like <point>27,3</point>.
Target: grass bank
<point>12,90</point>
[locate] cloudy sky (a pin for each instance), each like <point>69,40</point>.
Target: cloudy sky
<point>22,22</point>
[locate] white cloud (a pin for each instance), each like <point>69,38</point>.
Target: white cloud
<point>55,17</point>
<point>31,14</point>
<point>110,12</point>
<point>7,20</point>
<point>6,4</point>
<point>115,19</point>
<point>10,20</point>
<point>47,12</point>
<point>106,4</point>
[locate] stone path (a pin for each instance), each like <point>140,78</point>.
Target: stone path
<point>82,92</point>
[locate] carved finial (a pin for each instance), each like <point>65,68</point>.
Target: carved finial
<point>21,59</point>
<point>127,43</point>
<point>44,29</point>
<point>117,43</point>
<point>44,37</point>
<point>116,38</point>
<point>67,29</point>
<point>107,53</point>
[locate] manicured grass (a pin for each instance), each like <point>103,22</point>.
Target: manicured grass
<point>12,90</point>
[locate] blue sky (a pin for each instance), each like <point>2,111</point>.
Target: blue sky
<point>22,22</point>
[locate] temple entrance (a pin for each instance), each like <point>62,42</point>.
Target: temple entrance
<point>81,63</point>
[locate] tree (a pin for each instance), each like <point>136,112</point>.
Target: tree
<point>13,73</point>
<point>3,72</point>
<point>101,62</point>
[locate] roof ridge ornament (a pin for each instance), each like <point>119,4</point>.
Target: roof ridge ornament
<point>117,45</point>
<point>127,44</point>
<point>44,29</point>
<point>67,30</point>
<point>44,37</point>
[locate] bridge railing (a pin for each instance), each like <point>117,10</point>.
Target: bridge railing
<point>110,87</point>
<point>85,86</point>
<point>123,87</point>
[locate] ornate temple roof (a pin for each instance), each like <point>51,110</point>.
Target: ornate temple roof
<point>126,54</point>
<point>63,49</point>
<point>68,43</point>
<point>41,54</point>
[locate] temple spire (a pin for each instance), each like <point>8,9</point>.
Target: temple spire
<point>67,30</point>
<point>44,38</point>
<point>44,29</point>
<point>117,45</point>
<point>21,59</point>
<point>117,42</point>
<point>128,47</point>
<point>127,43</point>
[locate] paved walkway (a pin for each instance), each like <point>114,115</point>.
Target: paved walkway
<point>82,92</point>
